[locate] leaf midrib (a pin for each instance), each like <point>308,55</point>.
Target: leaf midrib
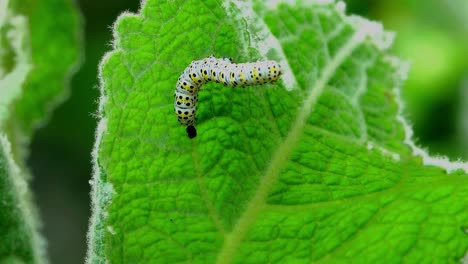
<point>234,238</point>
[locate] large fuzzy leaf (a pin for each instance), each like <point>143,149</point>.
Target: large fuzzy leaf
<point>317,168</point>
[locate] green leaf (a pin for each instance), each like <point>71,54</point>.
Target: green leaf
<point>20,242</point>
<point>317,168</point>
<point>55,36</point>
<point>19,239</point>
<point>34,59</point>
<point>15,58</point>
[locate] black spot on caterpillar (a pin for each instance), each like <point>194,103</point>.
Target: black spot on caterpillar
<point>220,70</point>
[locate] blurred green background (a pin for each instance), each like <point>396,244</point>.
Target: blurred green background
<point>432,35</point>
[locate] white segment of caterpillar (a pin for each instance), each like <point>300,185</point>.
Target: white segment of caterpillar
<point>220,70</point>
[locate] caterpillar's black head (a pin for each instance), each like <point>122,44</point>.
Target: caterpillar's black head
<point>191,131</point>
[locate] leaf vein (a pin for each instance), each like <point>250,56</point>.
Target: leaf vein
<point>281,156</point>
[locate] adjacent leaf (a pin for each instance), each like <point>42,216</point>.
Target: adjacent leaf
<point>20,242</point>
<point>34,59</point>
<point>15,58</point>
<point>55,49</point>
<point>318,168</point>
<point>19,239</point>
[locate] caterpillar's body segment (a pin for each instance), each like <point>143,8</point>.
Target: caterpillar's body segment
<point>220,70</point>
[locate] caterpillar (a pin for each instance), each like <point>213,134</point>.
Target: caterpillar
<point>220,70</point>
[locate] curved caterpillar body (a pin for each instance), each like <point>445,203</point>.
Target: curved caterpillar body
<point>220,70</point>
